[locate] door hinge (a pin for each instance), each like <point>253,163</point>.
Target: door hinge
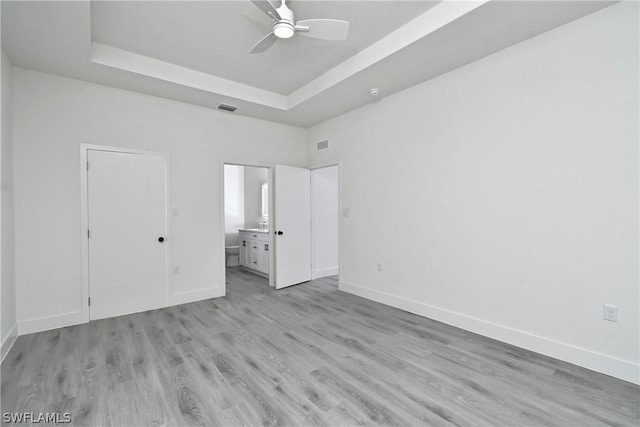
<point>87,165</point>
<point>89,300</point>
<point>87,233</point>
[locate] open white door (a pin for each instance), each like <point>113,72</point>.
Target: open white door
<point>292,225</point>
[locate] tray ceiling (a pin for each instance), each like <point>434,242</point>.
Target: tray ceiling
<point>215,36</point>
<point>197,52</point>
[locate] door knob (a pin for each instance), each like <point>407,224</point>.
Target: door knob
<point>160,239</point>
<point>279,233</point>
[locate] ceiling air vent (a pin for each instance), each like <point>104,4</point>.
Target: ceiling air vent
<point>226,107</point>
<point>323,145</point>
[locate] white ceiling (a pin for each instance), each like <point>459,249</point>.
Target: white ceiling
<point>197,52</point>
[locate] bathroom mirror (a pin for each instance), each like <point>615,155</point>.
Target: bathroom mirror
<point>265,200</point>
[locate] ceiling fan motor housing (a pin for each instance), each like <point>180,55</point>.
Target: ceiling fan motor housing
<point>286,14</point>
<point>285,27</point>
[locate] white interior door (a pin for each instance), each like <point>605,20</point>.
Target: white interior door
<point>127,209</point>
<point>292,225</point>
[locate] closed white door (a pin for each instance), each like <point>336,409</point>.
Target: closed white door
<point>127,207</point>
<point>292,225</point>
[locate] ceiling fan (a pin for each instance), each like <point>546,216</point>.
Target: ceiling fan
<point>284,26</point>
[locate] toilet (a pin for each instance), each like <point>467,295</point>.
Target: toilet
<point>232,256</point>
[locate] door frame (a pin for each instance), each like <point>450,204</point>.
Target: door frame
<point>84,218</point>
<point>270,181</point>
<point>340,215</point>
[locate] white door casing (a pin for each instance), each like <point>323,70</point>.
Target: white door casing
<point>127,215</point>
<point>292,196</point>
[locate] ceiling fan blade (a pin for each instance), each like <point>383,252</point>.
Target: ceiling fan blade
<point>268,8</point>
<point>325,29</point>
<point>264,44</point>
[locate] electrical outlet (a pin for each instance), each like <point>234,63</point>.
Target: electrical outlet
<point>176,269</point>
<point>610,313</point>
<point>379,266</point>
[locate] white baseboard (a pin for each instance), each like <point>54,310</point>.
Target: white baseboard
<point>316,274</point>
<point>589,359</point>
<point>197,295</point>
<point>8,341</point>
<point>46,323</point>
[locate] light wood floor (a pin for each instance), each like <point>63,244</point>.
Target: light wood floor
<point>306,355</point>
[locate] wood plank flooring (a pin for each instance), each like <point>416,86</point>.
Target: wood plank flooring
<point>305,355</point>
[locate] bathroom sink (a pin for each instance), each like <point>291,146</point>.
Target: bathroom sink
<point>253,230</point>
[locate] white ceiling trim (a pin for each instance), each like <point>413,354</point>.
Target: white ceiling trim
<point>433,19</point>
<point>421,26</point>
<point>140,64</point>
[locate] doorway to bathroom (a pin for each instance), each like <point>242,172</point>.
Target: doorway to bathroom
<point>300,244</point>
<point>325,221</point>
<point>248,244</point>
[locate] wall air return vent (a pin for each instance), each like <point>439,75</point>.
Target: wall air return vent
<point>226,107</point>
<point>323,145</point>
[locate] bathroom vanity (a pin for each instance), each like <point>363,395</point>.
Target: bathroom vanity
<point>254,250</point>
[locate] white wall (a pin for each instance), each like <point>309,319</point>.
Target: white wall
<point>233,203</point>
<point>54,115</point>
<point>8,330</point>
<point>253,179</point>
<point>324,221</point>
<point>502,197</point>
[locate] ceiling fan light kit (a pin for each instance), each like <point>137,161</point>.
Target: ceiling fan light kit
<point>285,26</point>
<point>283,30</point>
